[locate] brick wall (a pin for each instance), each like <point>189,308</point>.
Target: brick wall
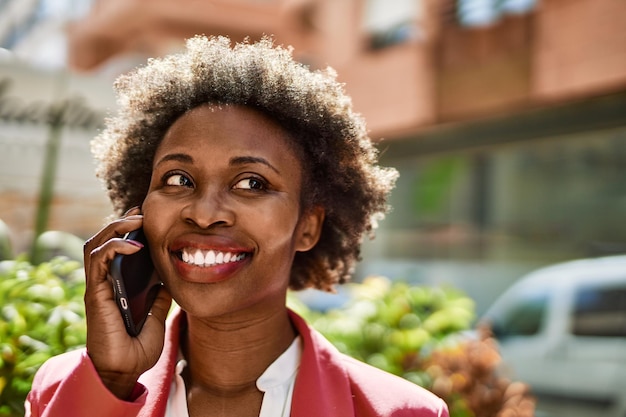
<point>580,48</point>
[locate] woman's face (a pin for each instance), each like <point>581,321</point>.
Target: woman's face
<point>222,213</point>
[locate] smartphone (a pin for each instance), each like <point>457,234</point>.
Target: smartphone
<point>135,284</point>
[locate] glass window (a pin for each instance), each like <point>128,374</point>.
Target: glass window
<point>541,201</point>
<point>476,13</point>
<point>600,311</point>
<point>391,23</point>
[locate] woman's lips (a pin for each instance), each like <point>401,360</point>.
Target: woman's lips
<point>208,260</point>
<point>210,272</point>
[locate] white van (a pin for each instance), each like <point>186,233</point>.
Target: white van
<point>562,330</point>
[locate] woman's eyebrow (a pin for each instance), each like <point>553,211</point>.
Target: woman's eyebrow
<point>242,160</point>
<point>180,157</point>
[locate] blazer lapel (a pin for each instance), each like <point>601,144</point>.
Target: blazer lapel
<point>322,387</point>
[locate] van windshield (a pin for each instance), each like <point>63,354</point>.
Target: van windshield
<point>523,317</point>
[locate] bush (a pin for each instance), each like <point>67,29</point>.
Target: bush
<point>417,332</point>
<point>465,374</point>
<point>42,315</point>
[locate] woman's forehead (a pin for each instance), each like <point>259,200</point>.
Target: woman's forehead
<point>230,129</point>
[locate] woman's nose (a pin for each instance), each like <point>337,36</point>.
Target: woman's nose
<point>209,208</point>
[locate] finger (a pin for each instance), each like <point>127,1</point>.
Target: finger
<point>115,229</point>
<point>101,257</point>
<point>158,312</point>
<point>161,306</point>
<point>102,313</point>
<point>152,335</point>
<point>100,306</point>
<point>132,211</point>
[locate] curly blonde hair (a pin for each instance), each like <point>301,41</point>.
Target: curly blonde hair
<point>338,157</point>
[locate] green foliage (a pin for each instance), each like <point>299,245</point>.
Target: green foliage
<point>390,325</point>
<point>416,332</point>
<point>42,315</point>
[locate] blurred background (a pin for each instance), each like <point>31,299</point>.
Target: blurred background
<point>505,118</point>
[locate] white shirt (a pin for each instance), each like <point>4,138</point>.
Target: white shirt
<point>276,383</point>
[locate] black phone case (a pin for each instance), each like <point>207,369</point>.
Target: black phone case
<point>134,284</point>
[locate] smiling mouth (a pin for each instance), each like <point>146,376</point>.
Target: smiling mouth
<point>205,258</point>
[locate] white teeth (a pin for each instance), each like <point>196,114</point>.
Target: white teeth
<point>198,259</point>
<point>209,258</point>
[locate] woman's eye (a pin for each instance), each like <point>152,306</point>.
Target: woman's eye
<point>250,184</point>
<point>178,180</point>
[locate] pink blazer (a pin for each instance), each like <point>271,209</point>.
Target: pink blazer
<point>328,384</point>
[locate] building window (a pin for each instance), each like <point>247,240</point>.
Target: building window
<point>477,13</point>
<point>392,22</point>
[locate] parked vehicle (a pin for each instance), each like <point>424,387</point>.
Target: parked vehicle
<point>562,330</point>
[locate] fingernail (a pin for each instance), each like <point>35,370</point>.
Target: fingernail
<point>135,243</point>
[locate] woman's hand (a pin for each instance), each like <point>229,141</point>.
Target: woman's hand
<point>118,357</point>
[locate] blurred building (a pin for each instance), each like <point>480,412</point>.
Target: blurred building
<point>506,119</point>
<point>34,84</point>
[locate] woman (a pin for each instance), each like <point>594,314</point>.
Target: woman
<point>249,174</point>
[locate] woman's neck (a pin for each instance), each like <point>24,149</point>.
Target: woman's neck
<point>227,355</point>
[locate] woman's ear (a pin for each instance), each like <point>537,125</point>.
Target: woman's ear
<point>309,228</point>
